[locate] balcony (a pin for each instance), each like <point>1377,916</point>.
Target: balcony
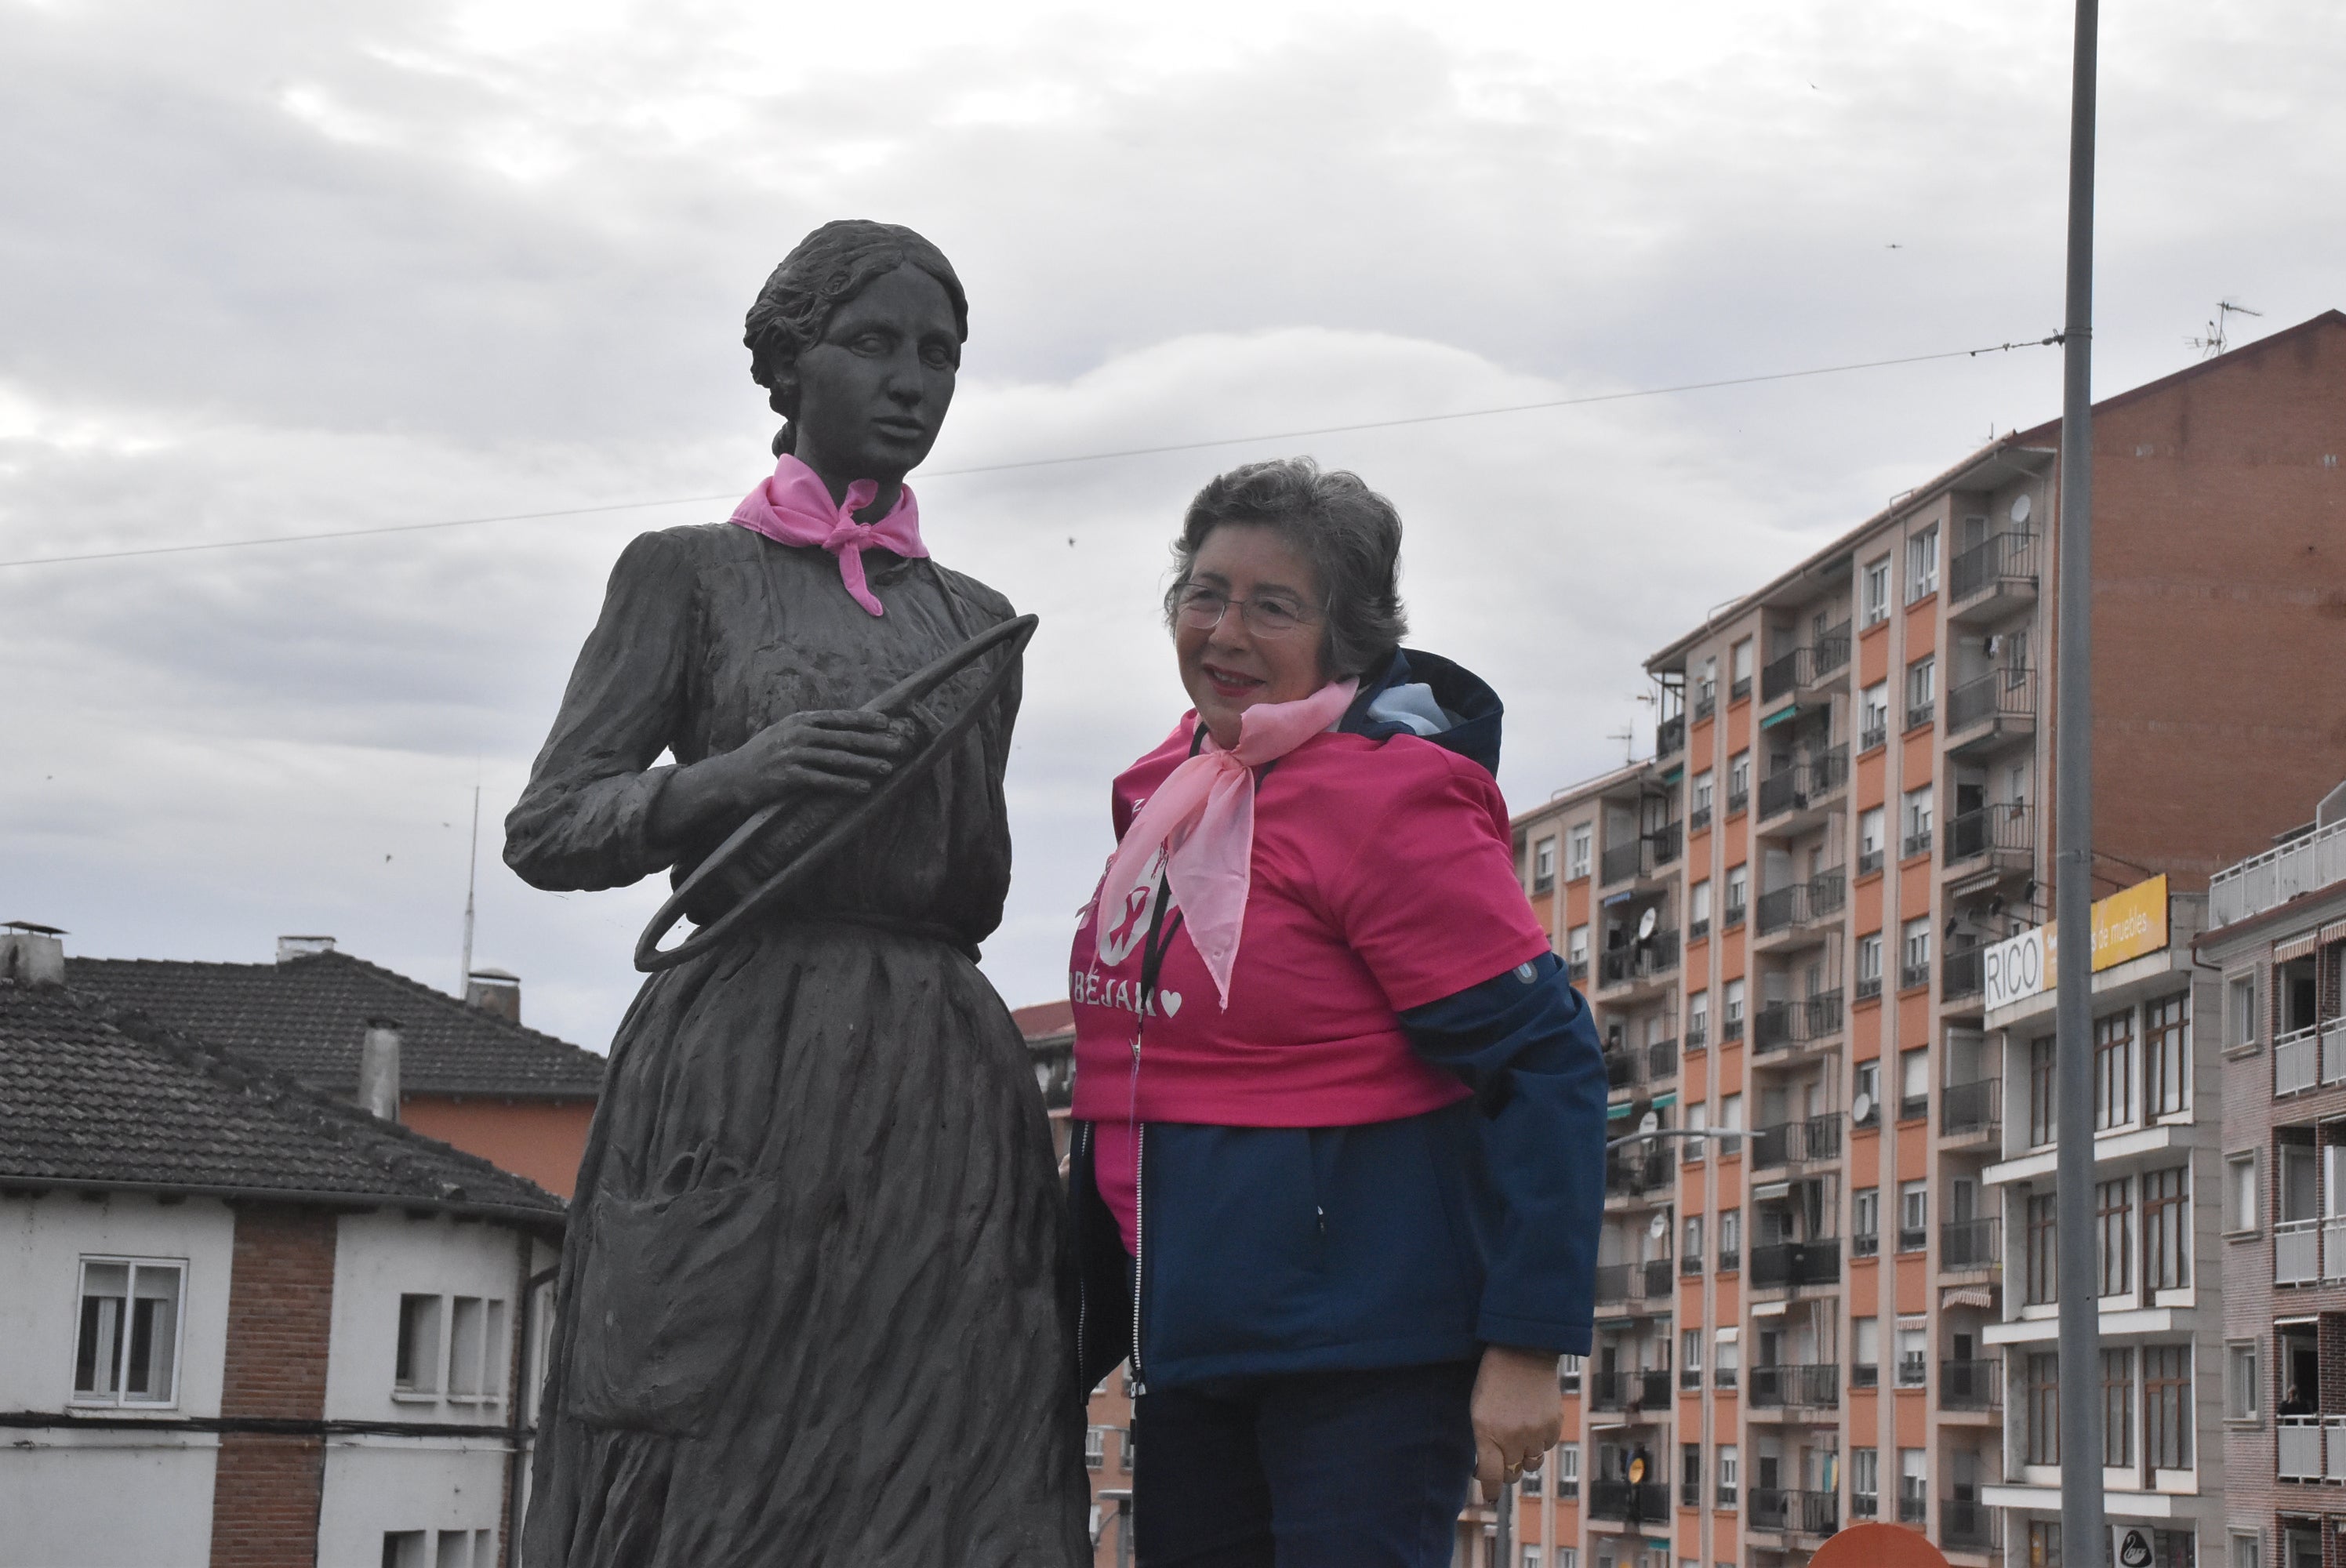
<point>1994,712</point>
<point>1796,1387</point>
<point>1992,839</point>
<point>1622,862</point>
<point>1968,1244</point>
<point>1660,1282</point>
<point>2259,883</point>
<point>1971,1111</point>
<point>1796,1263</point>
<point>2297,1252</point>
<point>1669,737</point>
<point>1797,1142</point>
<point>1628,1502</point>
<point>1667,841</point>
<point>1638,964</point>
<point>1634,1173</point>
<point>2310,1447</point>
<point>1612,1284</point>
<point>1793,1026</point>
<point>1800,671</point>
<point>1995,575</point>
<point>1801,789</point>
<point>1802,908</point>
<point>1971,1385</point>
<point>2309,1057</point>
<point>1797,1513</point>
<point>1966,1524</point>
<point>1624,1068</point>
<point>1963,972</point>
<point>1661,1061</point>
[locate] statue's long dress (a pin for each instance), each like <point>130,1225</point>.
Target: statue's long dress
<point>811,1305</point>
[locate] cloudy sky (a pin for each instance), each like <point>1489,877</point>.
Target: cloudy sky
<point>302,265</point>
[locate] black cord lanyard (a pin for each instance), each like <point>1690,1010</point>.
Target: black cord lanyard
<point>1159,936</point>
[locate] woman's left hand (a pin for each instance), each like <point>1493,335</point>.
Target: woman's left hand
<point>1518,1412</point>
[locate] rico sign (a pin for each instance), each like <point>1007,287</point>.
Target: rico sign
<point>2127,924</point>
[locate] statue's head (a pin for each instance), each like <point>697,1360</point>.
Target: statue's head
<point>856,338</point>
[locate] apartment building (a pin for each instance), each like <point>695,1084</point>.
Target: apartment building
<point>2274,955</point>
<point>1785,917</point>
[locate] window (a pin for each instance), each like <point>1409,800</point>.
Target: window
<point>1739,893</point>
<point>1865,1483</point>
<point>2240,1381</point>
<point>1531,1558</point>
<point>2240,1192</point>
<point>1543,866</point>
<point>2113,1071</point>
<point>2166,1230</point>
<point>1877,590</point>
<point>1922,562</point>
<point>1575,952</point>
<point>1699,802</point>
<point>1729,1475</point>
<point>1706,690</point>
<point>1865,1223</point>
<point>2244,1549</point>
<point>1094,1447</point>
<point>1732,1021</point>
<point>2117,1408</point>
<point>1873,720</point>
<point>1739,668</point>
<point>1568,1373</point>
<point>2165,1058</point>
<point>1698,1121</point>
<point>1127,1450</point>
<point>416,1367</point>
<point>1913,1357</point>
<point>1865,1353</point>
<point>1730,1236</point>
<point>2044,1277</point>
<point>1697,1030</point>
<point>1921,691</point>
<point>1913,1083</point>
<point>1690,1475</point>
<point>1865,1080</point>
<point>2240,1010</point>
<point>1914,953</point>
<point>1699,911</point>
<point>2167,1406</point>
<point>1690,1242</point>
<point>1739,782</point>
<point>2042,1124</point>
<point>407,1549</point>
<point>1914,812</point>
<point>1869,966</point>
<point>127,1351</point>
<point>1576,865</point>
<point>2043,1545</point>
<point>1914,1485</point>
<point>1690,1359</point>
<point>465,1363</point>
<point>1870,824</point>
<point>1914,1215</point>
<point>1567,1470</point>
<point>2041,1394</point>
<point>1730,1122</point>
<point>2113,1251</point>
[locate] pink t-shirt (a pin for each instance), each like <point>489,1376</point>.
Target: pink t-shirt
<point>1383,878</point>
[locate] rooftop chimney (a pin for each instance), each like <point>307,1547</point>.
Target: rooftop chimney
<point>496,991</point>
<point>293,947</point>
<point>32,954</point>
<point>378,1069</point>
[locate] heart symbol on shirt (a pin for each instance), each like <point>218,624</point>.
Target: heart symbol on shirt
<point>1170,1001</point>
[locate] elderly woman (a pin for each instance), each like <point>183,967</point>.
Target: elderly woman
<point>1340,1171</point>
<point>811,1308</point>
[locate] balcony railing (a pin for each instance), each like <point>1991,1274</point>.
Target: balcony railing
<point>1910,975</point>
<point>1863,1504</point>
<point>1736,799</point>
<point>1796,1263</point>
<point>1912,1509</point>
<point>2002,697</point>
<point>1796,1387</point>
<point>1966,1524</point>
<point>1862,1376</point>
<point>1634,1172</point>
<point>1705,703</point>
<point>1667,841</point>
<point>2002,558</point>
<point>1796,668</point>
<point>1661,1061</point>
<point>1633,1502</point>
<point>1794,1142</point>
<point>1811,778</point>
<point>1819,898</point>
<point>2310,1447</point>
<point>1974,1107</point>
<point>1977,1243</point>
<point>2001,831</point>
<point>1918,714</point>
<point>1873,735</point>
<point>1868,861</point>
<point>1787,1025</point>
<point>2312,1055</point>
<point>1658,954</point>
<point>1661,1281</point>
<point>2297,1252</point>
<point>1801,1513</point>
<point>1622,861</point>
<point>1963,972</point>
<point>1868,987</point>
<point>1865,1244</point>
<point>1622,1066</point>
<point>1669,736</point>
<point>1975,1385</point>
<point>1699,818</point>
<point>2277,876</point>
<point>1917,842</point>
<point>1613,1282</point>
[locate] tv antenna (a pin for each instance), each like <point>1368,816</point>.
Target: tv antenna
<point>1629,739</point>
<point>472,879</point>
<point>2217,339</point>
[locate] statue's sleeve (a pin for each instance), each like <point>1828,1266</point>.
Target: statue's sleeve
<point>585,820</point>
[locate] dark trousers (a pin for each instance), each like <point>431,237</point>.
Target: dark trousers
<point>1307,1469</point>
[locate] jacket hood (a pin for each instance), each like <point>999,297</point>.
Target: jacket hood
<point>1425,694</point>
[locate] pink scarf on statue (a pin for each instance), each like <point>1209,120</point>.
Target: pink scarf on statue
<point>795,508</point>
<point>1202,817</point>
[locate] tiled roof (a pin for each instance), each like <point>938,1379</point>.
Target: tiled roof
<point>307,1016</point>
<point>95,1094</point>
<point>1043,1020</point>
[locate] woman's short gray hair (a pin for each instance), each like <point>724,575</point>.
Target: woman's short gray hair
<point>1349,533</point>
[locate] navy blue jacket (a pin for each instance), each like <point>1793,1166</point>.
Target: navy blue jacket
<point>1282,1249</point>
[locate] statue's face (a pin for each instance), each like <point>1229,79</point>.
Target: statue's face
<point>872,394</point>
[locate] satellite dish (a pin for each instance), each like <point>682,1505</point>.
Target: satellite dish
<point>1660,1227</point>
<point>1645,924</point>
<point>2020,507</point>
<point>1861,1107</point>
<point>1650,1123</point>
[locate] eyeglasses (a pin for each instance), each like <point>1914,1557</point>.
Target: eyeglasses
<point>1203,608</point>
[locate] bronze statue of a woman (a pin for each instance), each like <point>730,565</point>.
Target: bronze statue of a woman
<point>811,1308</point>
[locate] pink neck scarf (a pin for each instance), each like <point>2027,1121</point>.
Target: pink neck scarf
<point>795,508</point>
<point>1202,817</point>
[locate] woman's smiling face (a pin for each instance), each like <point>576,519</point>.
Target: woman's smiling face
<point>1231,666</point>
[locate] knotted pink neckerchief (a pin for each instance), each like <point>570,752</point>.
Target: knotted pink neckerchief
<point>1202,817</point>
<point>795,508</point>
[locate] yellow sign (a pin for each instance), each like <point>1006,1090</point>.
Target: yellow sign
<point>2127,924</point>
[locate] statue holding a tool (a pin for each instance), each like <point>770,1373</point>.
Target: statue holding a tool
<point>811,1303</point>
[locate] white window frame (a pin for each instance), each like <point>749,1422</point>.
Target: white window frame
<point>121,1397</point>
<point>2243,1386</point>
<point>1544,865</point>
<point>1874,710</point>
<point>1923,562</point>
<point>1877,590</point>
<point>1578,839</point>
<point>2242,1192</point>
<point>485,1382</point>
<point>2240,1010</point>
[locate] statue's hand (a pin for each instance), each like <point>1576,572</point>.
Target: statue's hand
<point>826,752</point>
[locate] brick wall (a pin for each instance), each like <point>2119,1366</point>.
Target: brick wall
<point>279,1315</point>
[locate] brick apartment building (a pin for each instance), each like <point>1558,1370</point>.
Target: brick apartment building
<point>2275,954</point>
<point>245,1324</point>
<point>1785,919</point>
<point>472,1074</point>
